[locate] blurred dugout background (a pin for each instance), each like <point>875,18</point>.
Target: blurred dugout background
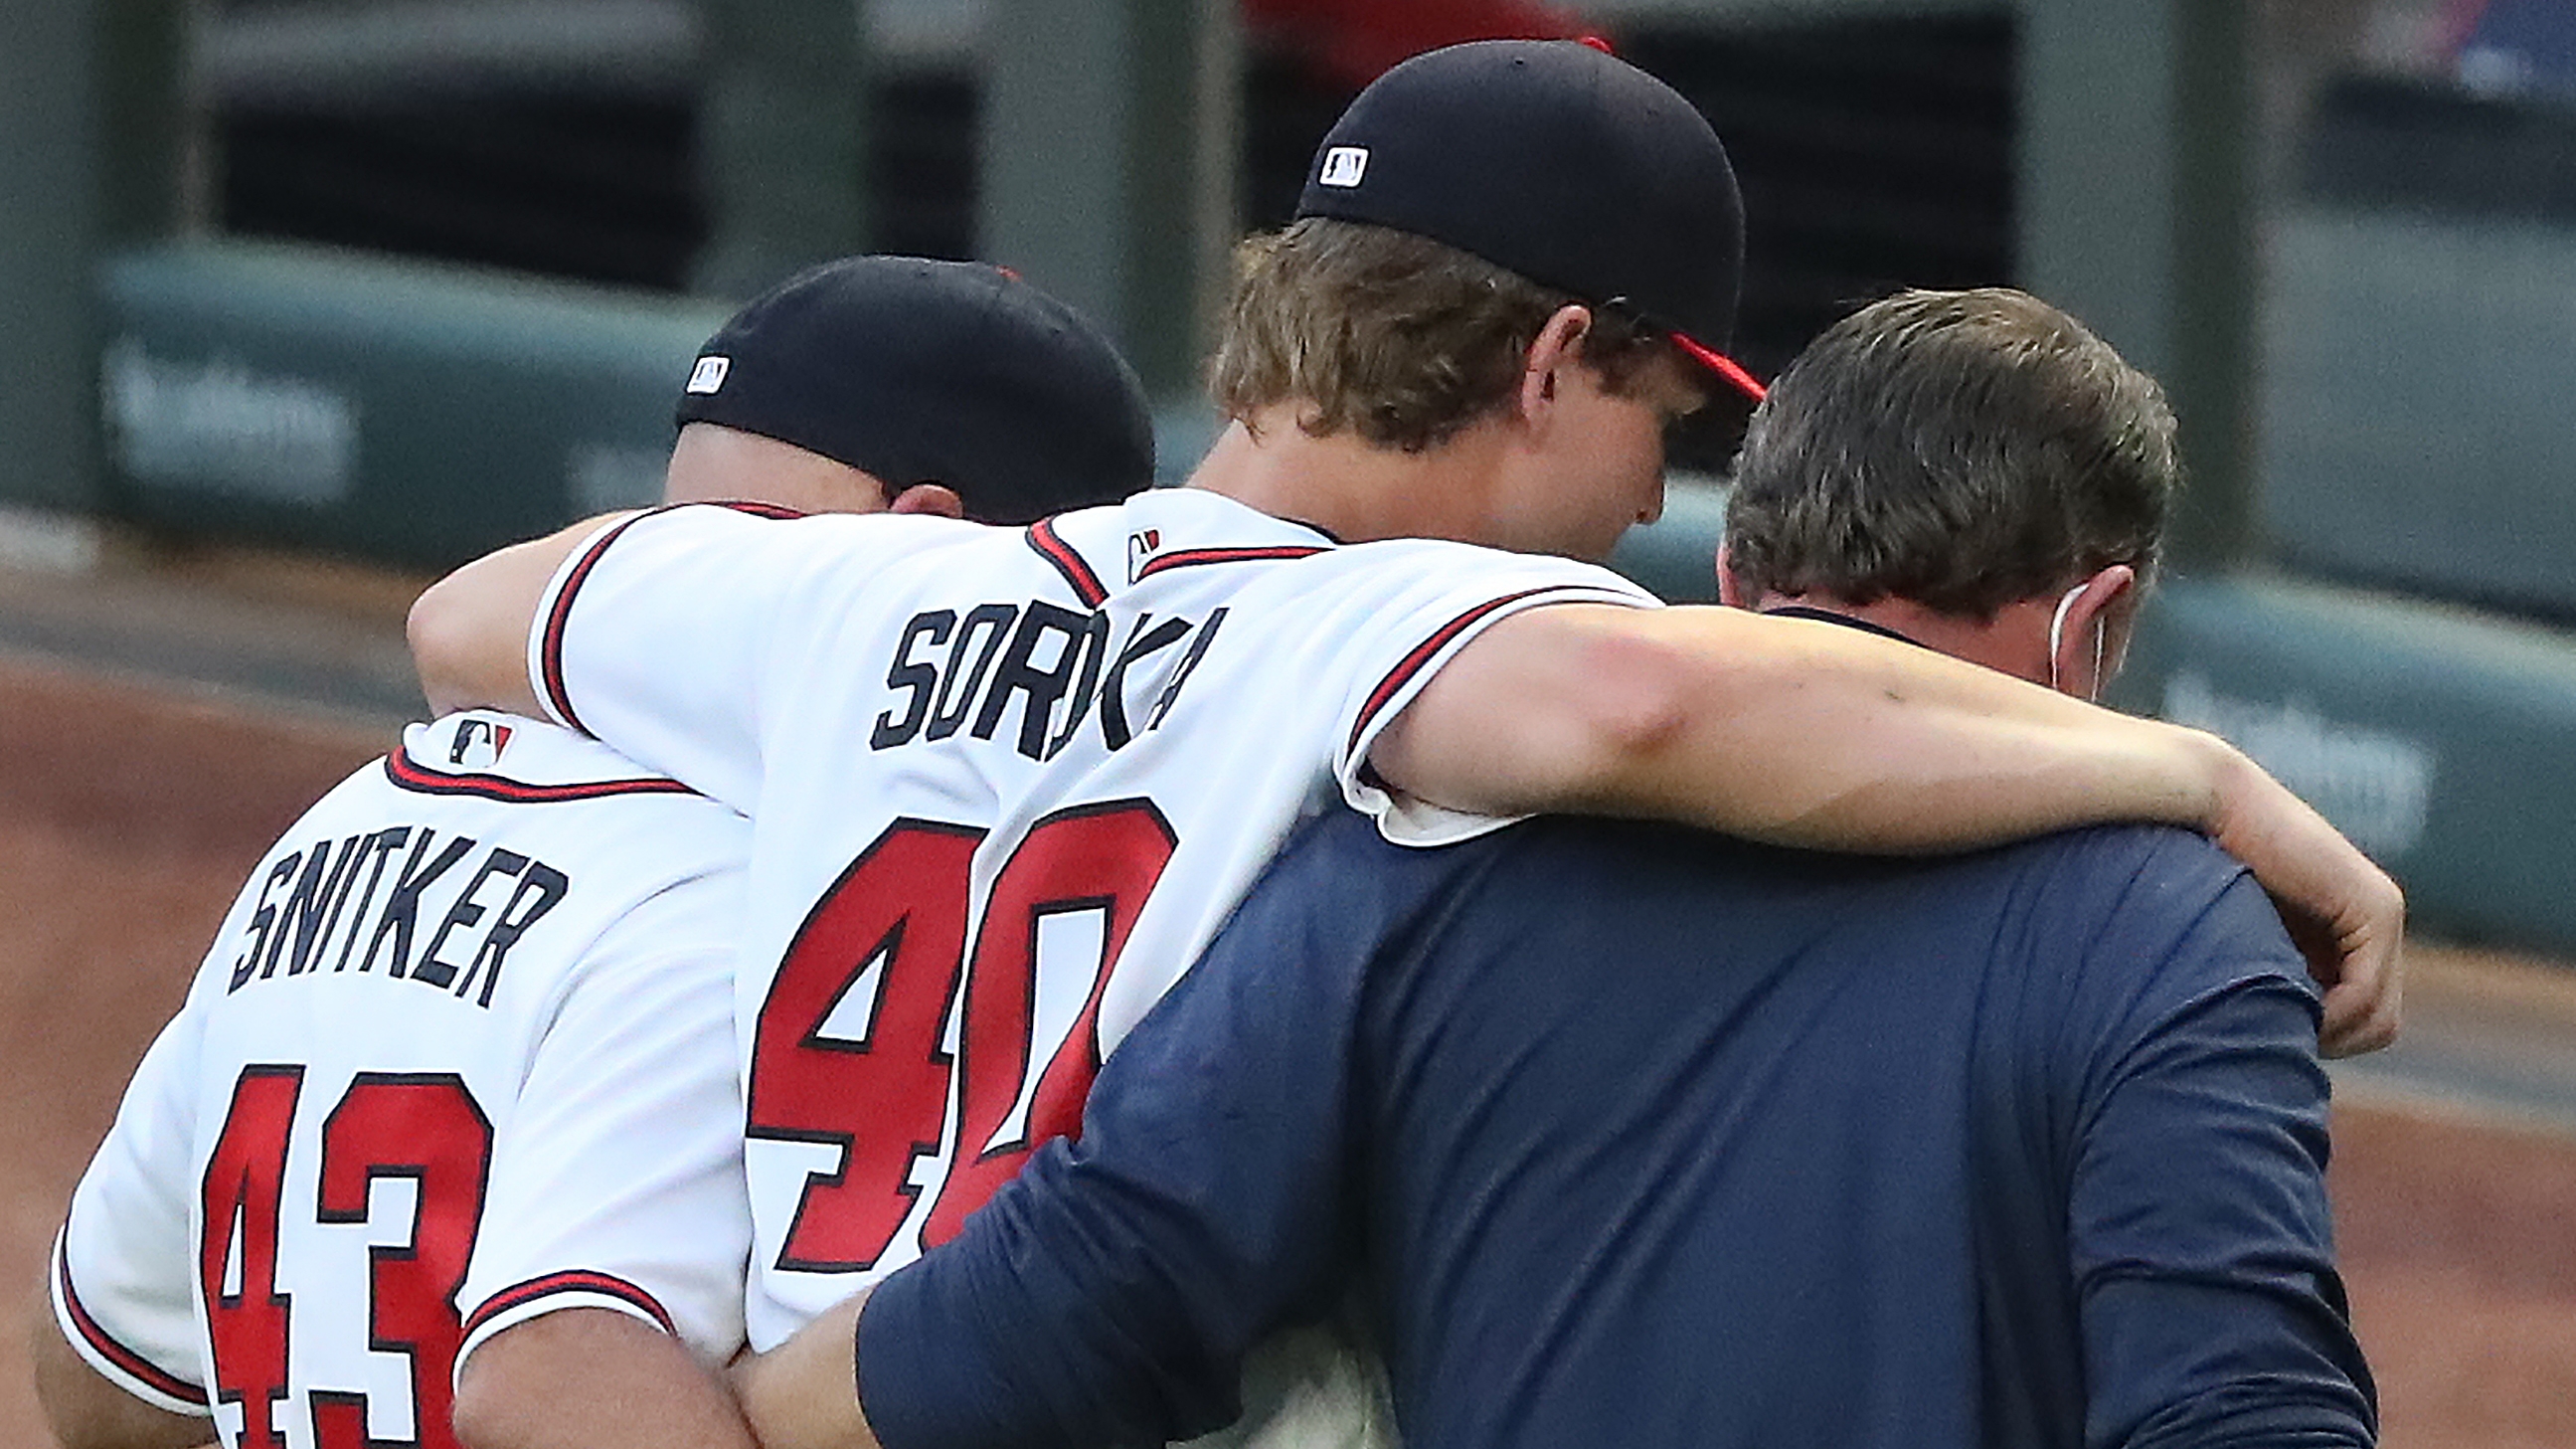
<point>398,280</point>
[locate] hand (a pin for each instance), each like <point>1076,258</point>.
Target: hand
<point>2347,916</point>
<point>803,1394</point>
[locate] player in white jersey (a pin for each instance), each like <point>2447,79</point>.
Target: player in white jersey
<point>277,1231</point>
<point>1036,777</point>
<point>1006,782</point>
<point>501,935</point>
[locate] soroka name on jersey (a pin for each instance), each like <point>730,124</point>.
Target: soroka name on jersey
<point>1045,668</point>
<point>309,895</point>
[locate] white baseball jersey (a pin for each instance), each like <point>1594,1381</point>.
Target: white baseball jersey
<point>1005,784</point>
<point>476,1006</point>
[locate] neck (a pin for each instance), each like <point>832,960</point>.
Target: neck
<point>711,461</point>
<point>2004,642</point>
<point>1350,488</point>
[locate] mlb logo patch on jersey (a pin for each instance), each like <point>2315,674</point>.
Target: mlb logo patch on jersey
<point>478,744</point>
<point>1344,166</point>
<point>709,374</point>
<point>1142,545</point>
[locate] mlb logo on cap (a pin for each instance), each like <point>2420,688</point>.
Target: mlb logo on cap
<point>1343,166</point>
<point>709,374</point>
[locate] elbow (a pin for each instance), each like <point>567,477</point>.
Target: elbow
<point>1573,709</point>
<point>469,631</point>
<point>437,633</point>
<point>1631,712</point>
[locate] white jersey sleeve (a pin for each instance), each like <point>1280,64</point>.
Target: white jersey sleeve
<point>619,1184</point>
<point>1427,600</point>
<point>658,633</point>
<point>123,1279</point>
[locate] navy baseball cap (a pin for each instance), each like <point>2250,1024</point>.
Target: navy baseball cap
<point>919,371</point>
<point>1558,161</point>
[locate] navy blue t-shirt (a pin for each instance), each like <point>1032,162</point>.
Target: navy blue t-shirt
<point>1642,1136</point>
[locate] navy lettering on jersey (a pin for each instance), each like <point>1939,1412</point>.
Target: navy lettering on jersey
<point>1094,648</point>
<point>981,636</point>
<point>1141,643</point>
<point>1041,687</point>
<point>303,920</point>
<point>917,677</point>
<point>262,920</point>
<point>1181,672</point>
<point>380,849</point>
<point>465,912</point>
<point>540,890</point>
<point>492,906</point>
<point>1044,659</point>
<point>402,904</point>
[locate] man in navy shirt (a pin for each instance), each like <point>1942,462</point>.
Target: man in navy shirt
<point>1640,1136</point>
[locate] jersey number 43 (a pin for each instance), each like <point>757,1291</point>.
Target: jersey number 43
<point>882,952</point>
<point>424,1127</point>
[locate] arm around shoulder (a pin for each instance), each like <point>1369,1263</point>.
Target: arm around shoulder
<point>1807,734</point>
<point>469,631</point>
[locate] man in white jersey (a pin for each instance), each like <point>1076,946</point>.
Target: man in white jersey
<point>1007,782</point>
<point>277,1232</point>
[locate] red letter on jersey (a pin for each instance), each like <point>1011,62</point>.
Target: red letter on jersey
<point>247,1324</point>
<point>889,935</point>
<point>427,1128</point>
<point>1102,859</point>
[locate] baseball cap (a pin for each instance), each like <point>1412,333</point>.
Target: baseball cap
<point>1560,162</point>
<point>922,371</point>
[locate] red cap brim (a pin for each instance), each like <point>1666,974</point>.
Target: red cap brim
<point>1721,364</point>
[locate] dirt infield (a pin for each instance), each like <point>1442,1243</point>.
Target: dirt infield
<point>2459,1244</point>
<point>129,814</point>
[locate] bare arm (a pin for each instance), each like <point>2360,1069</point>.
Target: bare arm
<point>87,1411</point>
<point>804,1394</point>
<point>585,1376</point>
<point>469,632</point>
<point>1807,734</point>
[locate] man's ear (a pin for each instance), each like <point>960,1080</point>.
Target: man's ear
<point>935,498</point>
<point>1557,346</point>
<point>1730,591</point>
<point>2096,632</point>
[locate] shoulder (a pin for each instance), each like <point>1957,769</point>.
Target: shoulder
<point>758,549</point>
<point>1336,881</point>
<point>1457,564</point>
<point>2142,878</point>
<point>2141,924</point>
<point>511,759</point>
<point>540,790</point>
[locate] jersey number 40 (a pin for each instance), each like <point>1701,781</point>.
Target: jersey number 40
<point>889,938</point>
<point>424,1127</point>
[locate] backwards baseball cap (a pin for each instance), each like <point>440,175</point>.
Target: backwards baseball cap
<point>1560,162</point>
<point>919,371</point>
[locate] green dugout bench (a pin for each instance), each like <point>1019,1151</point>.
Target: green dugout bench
<point>412,414</point>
